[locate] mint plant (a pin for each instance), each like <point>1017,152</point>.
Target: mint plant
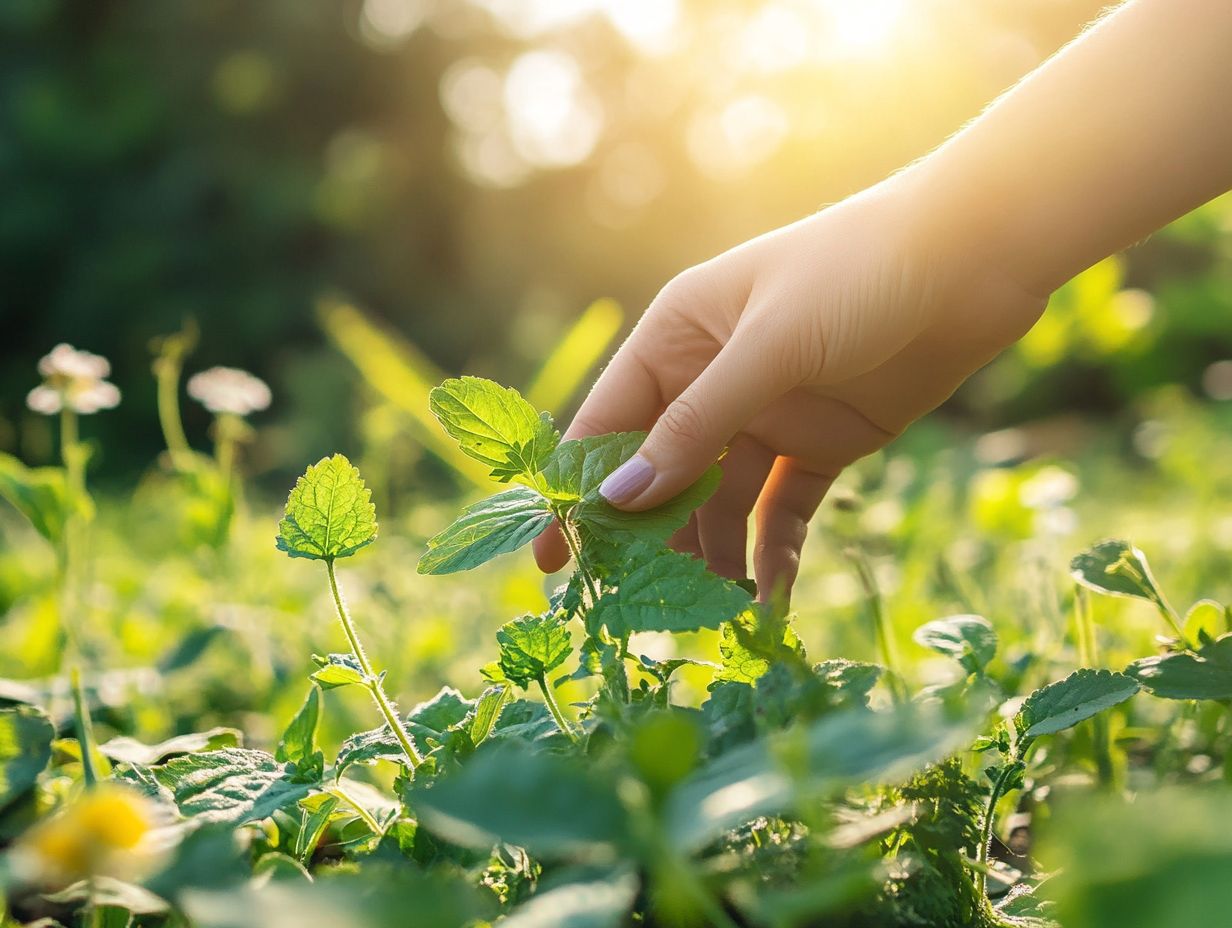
<point>329,515</point>
<point>625,580</point>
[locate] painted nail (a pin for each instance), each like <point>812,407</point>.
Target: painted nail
<point>627,481</point>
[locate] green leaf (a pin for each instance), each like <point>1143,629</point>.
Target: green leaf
<point>494,526</point>
<point>571,478</point>
<point>495,426</point>
<point>550,804</point>
<point>336,670</point>
<point>329,513</point>
<point>234,786</point>
<point>969,639</point>
<point>427,722</point>
<point>1206,674</point>
<point>298,744</point>
<point>666,591</point>
<point>1116,568</point>
<point>577,467</point>
<point>488,707</point>
<point>25,750</point>
<point>131,751</point>
<point>532,646</point>
<point>841,750</point>
<point>754,640</point>
<point>1061,705</point>
<point>1206,620</point>
<point>598,901</point>
<point>39,493</point>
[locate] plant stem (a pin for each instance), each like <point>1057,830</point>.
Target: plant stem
<point>1088,656</point>
<point>990,817</point>
<point>371,680</point>
<point>575,549</point>
<point>85,731</point>
<point>167,371</point>
<point>881,624</point>
<point>70,453</point>
<point>550,698</point>
<point>363,813</point>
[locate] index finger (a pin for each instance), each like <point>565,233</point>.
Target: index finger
<point>625,398</point>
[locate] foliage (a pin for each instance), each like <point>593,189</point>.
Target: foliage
<point>595,780</point>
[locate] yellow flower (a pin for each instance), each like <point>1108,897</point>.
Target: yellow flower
<point>105,832</point>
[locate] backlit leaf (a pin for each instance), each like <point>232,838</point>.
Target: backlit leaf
<point>532,646</point>
<point>1117,568</point>
<point>969,639</point>
<point>329,513</point>
<point>336,670</point>
<point>495,426</point>
<point>494,526</point>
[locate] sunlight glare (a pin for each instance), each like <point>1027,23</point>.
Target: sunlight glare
<point>554,119</point>
<point>861,27</point>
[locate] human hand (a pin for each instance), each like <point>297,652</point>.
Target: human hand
<point>800,352</point>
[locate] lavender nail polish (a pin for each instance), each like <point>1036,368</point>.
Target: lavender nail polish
<point>627,481</point>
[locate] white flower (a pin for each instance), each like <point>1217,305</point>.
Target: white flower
<point>229,390</point>
<point>44,399</point>
<point>66,361</point>
<point>101,394</point>
<point>74,379</point>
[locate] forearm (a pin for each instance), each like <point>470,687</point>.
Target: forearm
<point>1125,129</point>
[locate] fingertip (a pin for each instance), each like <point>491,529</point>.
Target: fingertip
<point>551,551</point>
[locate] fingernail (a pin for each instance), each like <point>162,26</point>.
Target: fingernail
<point>627,481</point>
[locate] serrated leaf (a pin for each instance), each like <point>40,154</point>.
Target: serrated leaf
<point>336,670</point>
<point>665,591</point>
<point>1206,674</point>
<point>298,744</point>
<point>26,734</point>
<point>550,804</point>
<point>1117,568</point>
<point>488,707</point>
<point>426,723</point>
<point>594,902</point>
<point>755,639</point>
<point>131,751</point>
<point>532,646</point>
<point>969,639</point>
<point>494,526</point>
<point>1081,695</point>
<point>329,512</point>
<point>495,426</point>
<point>577,468</point>
<point>232,786</point>
<point>524,720</point>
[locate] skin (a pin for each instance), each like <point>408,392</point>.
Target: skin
<point>809,347</point>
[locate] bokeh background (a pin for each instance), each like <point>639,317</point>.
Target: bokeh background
<point>469,175</point>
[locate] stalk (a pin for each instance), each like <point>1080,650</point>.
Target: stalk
<point>549,698</point>
<point>167,371</point>
<point>371,680</point>
<point>881,624</point>
<point>575,549</point>
<point>363,813</point>
<point>1088,656</point>
<point>990,816</point>
<point>85,731</point>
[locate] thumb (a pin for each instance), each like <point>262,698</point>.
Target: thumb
<point>693,430</point>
